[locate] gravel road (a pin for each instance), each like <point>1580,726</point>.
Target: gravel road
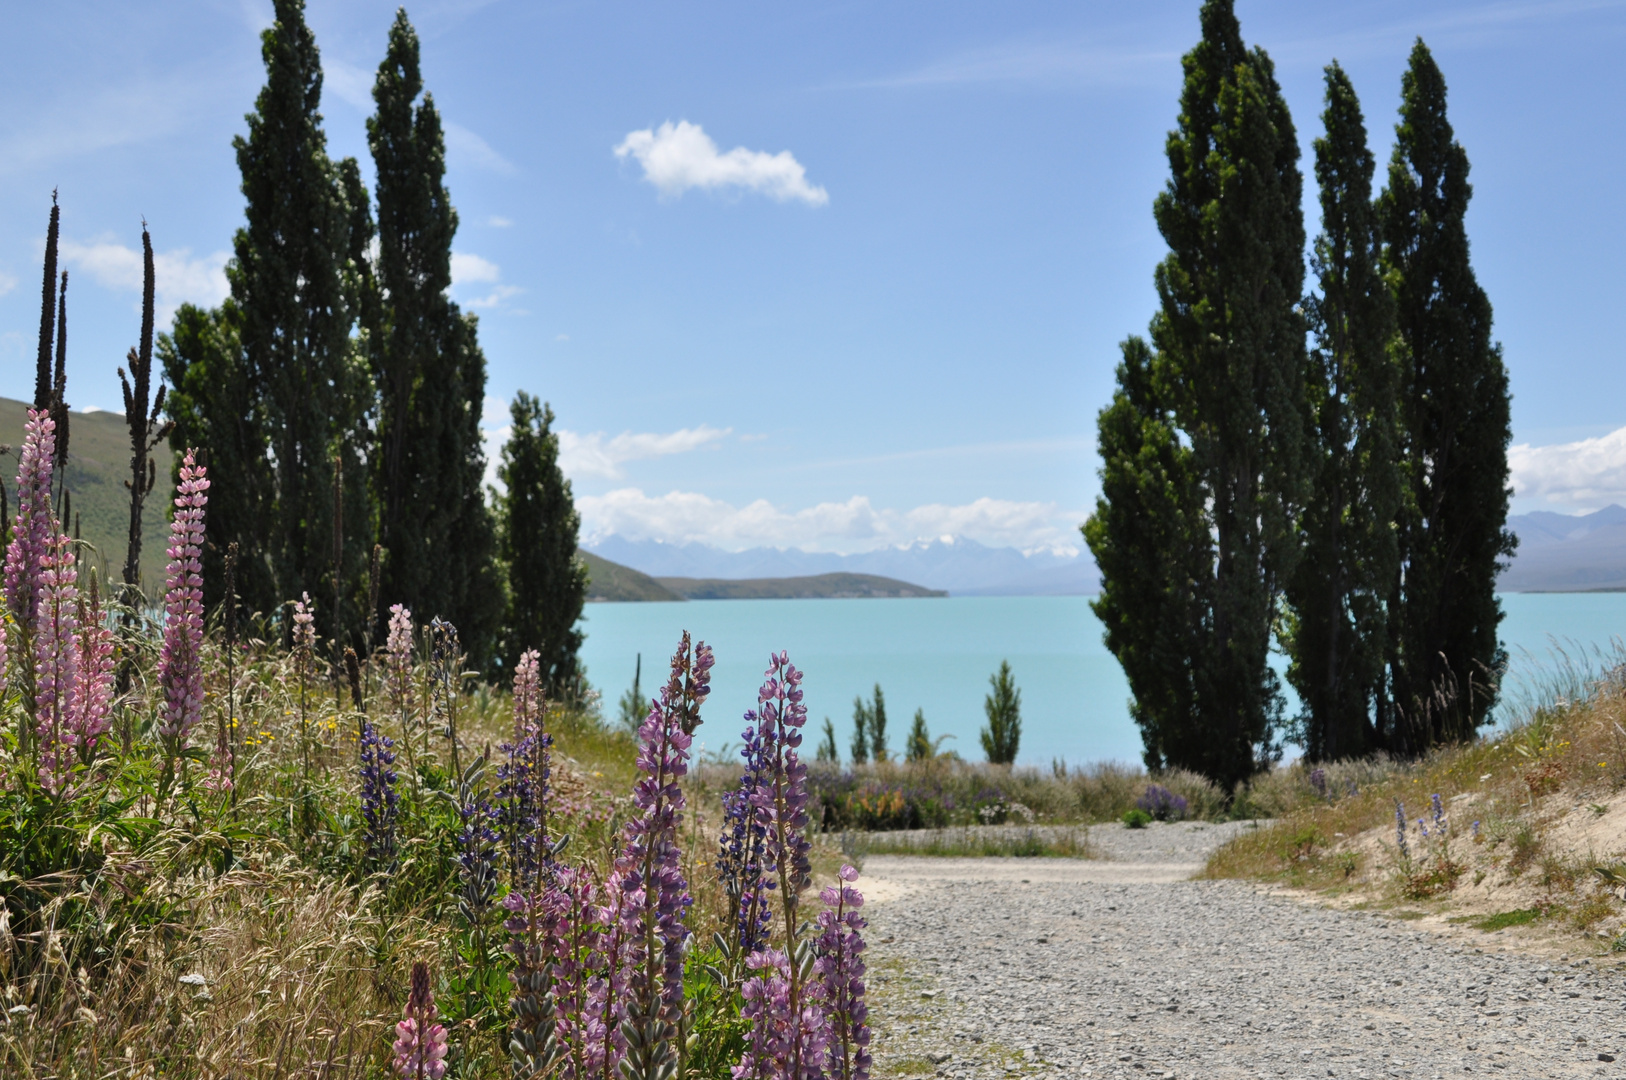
<point>1121,968</point>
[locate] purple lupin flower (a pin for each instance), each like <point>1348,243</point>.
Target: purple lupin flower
<point>56,664</point>
<point>522,792</point>
<point>740,860</point>
<point>180,667</point>
<point>34,523</point>
<point>1400,830</point>
<point>420,1043</point>
<point>655,897</point>
<point>841,968</point>
<point>379,799</point>
<point>782,1001</point>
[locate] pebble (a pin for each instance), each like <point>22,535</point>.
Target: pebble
<point>1080,974</point>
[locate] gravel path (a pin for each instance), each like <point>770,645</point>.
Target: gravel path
<point>1120,968</point>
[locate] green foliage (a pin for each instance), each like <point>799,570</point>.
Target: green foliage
<point>1446,661</point>
<point>429,467</point>
<point>919,745</point>
<point>869,729</point>
<point>295,286</point>
<point>1003,733</point>
<point>1337,627</point>
<point>827,750</point>
<point>1208,431</point>
<point>633,705</point>
<point>537,529</point>
<point>860,743</point>
<point>1136,818</point>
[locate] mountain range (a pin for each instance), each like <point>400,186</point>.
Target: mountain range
<point>1568,553</point>
<point>955,565</point>
<point>1557,553</point>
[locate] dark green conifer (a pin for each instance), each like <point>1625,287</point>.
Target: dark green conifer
<point>294,284</point>
<point>537,526</point>
<point>1228,372</point>
<point>429,464</point>
<point>1149,537</point>
<point>1337,628</point>
<point>1446,660</point>
<point>1002,736</point>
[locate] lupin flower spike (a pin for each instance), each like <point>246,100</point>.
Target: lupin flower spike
<point>181,664</point>
<point>420,1043</point>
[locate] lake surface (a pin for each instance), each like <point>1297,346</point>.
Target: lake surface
<point>937,655</point>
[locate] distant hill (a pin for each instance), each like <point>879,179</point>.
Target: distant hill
<point>610,581</point>
<point>959,566</point>
<point>815,587</point>
<point>98,465</point>
<point>1568,553</point>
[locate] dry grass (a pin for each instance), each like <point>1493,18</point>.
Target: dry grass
<point>1535,813</point>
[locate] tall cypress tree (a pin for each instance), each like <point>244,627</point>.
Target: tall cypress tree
<point>1229,369</point>
<point>1149,536</point>
<point>428,463</point>
<point>294,283</point>
<point>1338,625</point>
<point>1446,660</point>
<point>537,520</point>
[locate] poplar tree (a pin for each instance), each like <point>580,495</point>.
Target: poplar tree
<point>1149,537</point>
<point>429,464</point>
<point>1445,660</point>
<point>1228,373</point>
<point>296,285</point>
<point>1337,627</point>
<point>537,527</point>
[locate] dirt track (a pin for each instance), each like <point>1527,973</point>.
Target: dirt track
<point>1121,968</point>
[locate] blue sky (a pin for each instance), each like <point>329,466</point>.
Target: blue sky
<point>868,285</point>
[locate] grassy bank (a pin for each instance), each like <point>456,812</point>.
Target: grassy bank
<point>1523,831</point>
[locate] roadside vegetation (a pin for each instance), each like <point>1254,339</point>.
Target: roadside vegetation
<point>1521,831</point>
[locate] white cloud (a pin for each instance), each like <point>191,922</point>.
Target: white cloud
<point>681,517</point>
<point>464,147</point>
<point>596,455</point>
<point>676,158</point>
<point>350,84</point>
<point>466,268</point>
<point>7,283</point>
<point>497,222</point>
<point>600,457</point>
<point>1588,473</point>
<point>472,269</point>
<point>177,277</point>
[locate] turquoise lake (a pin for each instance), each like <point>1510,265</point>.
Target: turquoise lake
<point>937,655</point>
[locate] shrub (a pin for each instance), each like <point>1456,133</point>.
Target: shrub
<point>1136,818</point>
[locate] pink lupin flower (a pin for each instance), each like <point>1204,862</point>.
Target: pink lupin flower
<point>92,697</point>
<point>34,524</point>
<point>180,667</point>
<point>420,1043</point>
<point>304,627</point>
<point>398,666</point>
<point>56,663</point>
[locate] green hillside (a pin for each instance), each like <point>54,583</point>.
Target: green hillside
<point>611,581</point>
<point>815,587</point>
<point>98,465</point>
